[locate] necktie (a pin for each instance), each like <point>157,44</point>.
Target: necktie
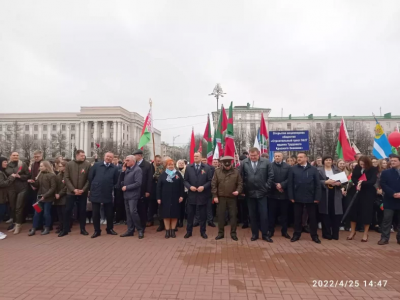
<point>254,166</point>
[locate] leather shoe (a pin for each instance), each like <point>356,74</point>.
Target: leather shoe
<point>141,234</point>
<point>126,234</point>
<point>167,233</point>
<point>211,224</point>
<point>295,239</point>
<point>161,227</point>
<point>286,235</point>
<point>219,237</point>
<point>270,234</point>
<point>267,239</point>
<point>383,242</point>
<point>254,238</point>
<point>62,233</point>
<point>173,235</point>
<point>187,235</point>
<point>96,234</point>
<point>234,237</point>
<point>112,232</point>
<point>204,236</point>
<point>316,240</point>
<point>84,232</point>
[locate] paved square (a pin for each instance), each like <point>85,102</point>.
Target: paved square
<point>110,267</point>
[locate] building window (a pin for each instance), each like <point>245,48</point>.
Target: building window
<point>357,125</point>
<point>91,135</point>
<point>73,136</point>
<point>239,116</point>
<point>35,127</point>
<point>26,136</point>
<point>289,126</point>
<point>44,127</point>
<point>63,136</point>
<point>73,127</point>
<point>53,137</point>
<point>54,127</point>
<point>252,127</point>
<point>368,126</point>
<point>318,125</point>
<point>112,135</point>
<point>91,145</point>
<point>26,127</point>
<point>63,127</point>
<point>1,127</point>
<point>112,126</point>
<point>102,125</point>
<point>44,136</point>
<point>35,136</point>
<point>8,137</point>
<point>127,136</point>
<point>123,136</point>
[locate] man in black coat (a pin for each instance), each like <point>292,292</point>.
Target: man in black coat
<point>304,190</point>
<point>278,199</point>
<point>103,176</point>
<point>147,179</point>
<point>197,180</point>
<point>257,180</point>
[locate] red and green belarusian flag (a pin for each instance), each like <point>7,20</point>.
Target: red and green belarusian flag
<point>263,136</point>
<point>147,130</point>
<point>222,126</point>
<point>207,136</point>
<point>343,148</point>
<point>192,147</point>
<point>229,139</point>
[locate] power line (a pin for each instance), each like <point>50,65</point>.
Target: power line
<point>181,126</point>
<point>181,117</point>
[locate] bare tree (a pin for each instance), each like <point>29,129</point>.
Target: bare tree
<point>313,142</point>
<point>363,140</point>
<point>251,136</point>
<point>58,144</point>
<point>241,140</point>
<point>13,136</point>
<point>45,147</point>
<point>329,139</point>
<point>27,145</point>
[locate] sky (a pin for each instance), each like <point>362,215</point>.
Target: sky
<point>320,57</point>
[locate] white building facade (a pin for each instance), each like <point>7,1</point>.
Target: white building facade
<point>82,130</point>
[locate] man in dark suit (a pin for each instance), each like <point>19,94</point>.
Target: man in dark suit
<point>197,180</point>
<point>304,190</point>
<point>147,178</point>
<point>390,183</point>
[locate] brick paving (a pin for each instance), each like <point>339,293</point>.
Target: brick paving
<point>113,268</point>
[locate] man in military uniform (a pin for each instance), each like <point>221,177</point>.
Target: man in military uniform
<point>225,187</point>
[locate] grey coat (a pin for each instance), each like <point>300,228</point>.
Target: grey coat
<point>256,184</point>
<point>132,179</point>
<point>323,201</point>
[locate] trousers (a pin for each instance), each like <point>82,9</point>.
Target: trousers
<point>142,208</point>
<point>17,204</point>
<point>80,201</point>
<point>258,210</point>
<point>387,224</point>
<point>209,213</point>
<point>311,209</point>
<point>46,212</point>
<point>223,204</point>
<point>275,205</point>
<point>119,206</point>
<point>132,215</point>
<point>191,211</point>
<point>61,215</point>
<point>109,214</point>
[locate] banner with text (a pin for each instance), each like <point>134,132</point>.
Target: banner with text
<point>296,140</point>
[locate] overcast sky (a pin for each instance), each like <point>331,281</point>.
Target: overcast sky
<point>339,57</point>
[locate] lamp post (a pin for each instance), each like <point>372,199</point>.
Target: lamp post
<point>217,92</point>
<point>173,145</point>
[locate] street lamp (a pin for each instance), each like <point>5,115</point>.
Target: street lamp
<point>217,92</point>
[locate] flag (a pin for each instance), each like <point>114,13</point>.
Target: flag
<point>192,147</point>
<point>97,145</point>
<point>222,126</point>
<point>200,150</point>
<point>37,207</point>
<point>216,153</point>
<point>146,131</point>
<point>207,136</point>
<point>229,138</point>
<point>382,148</point>
<point>349,177</point>
<point>263,136</point>
<point>355,148</point>
<point>363,177</point>
<point>256,140</point>
<point>343,148</point>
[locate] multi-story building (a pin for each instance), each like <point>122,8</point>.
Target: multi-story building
<point>82,130</point>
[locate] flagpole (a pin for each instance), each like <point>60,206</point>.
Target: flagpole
<point>152,134</point>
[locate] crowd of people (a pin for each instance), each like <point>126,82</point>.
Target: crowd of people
<point>249,189</point>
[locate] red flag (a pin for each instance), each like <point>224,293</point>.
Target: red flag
<point>37,207</point>
<point>207,136</point>
<point>200,150</point>
<point>224,121</point>
<point>192,147</point>
<point>362,178</point>
<point>263,135</point>
<point>229,139</point>
<point>343,148</point>
<point>97,145</point>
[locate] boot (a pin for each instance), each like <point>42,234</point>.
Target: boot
<point>167,233</point>
<point>46,231</point>
<point>172,234</point>
<point>32,232</point>
<point>17,228</point>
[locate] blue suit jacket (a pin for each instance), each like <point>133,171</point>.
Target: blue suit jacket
<point>390,183</point>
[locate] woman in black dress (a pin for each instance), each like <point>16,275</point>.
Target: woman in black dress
<point>362,210</point>
<point>170,192</point>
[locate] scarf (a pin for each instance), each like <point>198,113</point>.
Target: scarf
<point>170,175</point>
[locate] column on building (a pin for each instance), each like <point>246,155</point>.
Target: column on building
<point>106,135</point>
<point>119,142</point>
<point>82,135</point>
<point>115,131</point>
<point>85,137</point>
<point>49,129</point>
<point>77,135</point>
<point>70,148</point>
<point>31,129</point>
<point>95,131</point>
<point>40,130</point>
